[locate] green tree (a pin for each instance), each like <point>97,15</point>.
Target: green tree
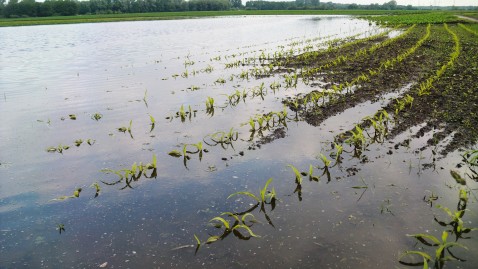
<point>392,5</point>
<point>236,3</point>
<point>27,8</point>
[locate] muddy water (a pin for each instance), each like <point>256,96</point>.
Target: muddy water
<point>128,71</point>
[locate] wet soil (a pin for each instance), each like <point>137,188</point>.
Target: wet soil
<point>449,111</point>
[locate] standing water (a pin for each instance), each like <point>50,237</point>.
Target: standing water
<point>86,106</point>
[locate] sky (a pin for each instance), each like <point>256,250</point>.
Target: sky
<point>410,2</point>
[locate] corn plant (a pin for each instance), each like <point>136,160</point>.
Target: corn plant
<point>311,174</point>
<point>440,246</point>
<point>60,148</point>
<point>220,81</point>
<point>60,228</point>
<point>357,140</point>
<point>220,222</point>
<point>210,106</point>
<point>337,155</point>
<point>266,196</point>
<point>185,74</point>
<point>96,116</point>
<point>133,174</point>
<point>297,173</point>
<point>127,129</point>
<point>208,69</point>
<point>76,194</point>
<point>78,142</point>
<point>97,188</point>
<point>222,138</point>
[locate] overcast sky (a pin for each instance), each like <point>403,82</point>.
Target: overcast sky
<point>410,2</point>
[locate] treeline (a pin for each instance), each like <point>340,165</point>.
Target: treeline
<point>30,8</point>
<point>316,4</point>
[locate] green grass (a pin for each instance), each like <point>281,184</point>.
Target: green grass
<point>422,18</point>
<point>4,22</point>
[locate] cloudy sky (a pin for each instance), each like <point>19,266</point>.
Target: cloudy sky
<point>411,2</point>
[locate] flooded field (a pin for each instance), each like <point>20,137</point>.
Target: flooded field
<point>235,142</point>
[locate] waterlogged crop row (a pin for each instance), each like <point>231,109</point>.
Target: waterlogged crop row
<point>314,97</point>
<point>309,72</point>
<point>380,121</point>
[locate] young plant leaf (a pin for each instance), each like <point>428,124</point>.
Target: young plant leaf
<point>245,193</point>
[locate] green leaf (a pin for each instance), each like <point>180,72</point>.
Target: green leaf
<point>263,191</point>
<point>155,161</point>
<point>298,176</point>
<point>230,214</point>
<point>212,239</point>
<point>427,236</point>
<point>425,263</point>
<point>253,220</point>
<point>439,250</point>
<point>414,252</point>
<point>311,170</point>
<point>245,193</point>
<point>197,240</point>
<point>245,228</point>
<point>448,211</point>
<point>444,236</point>
<point>223,221</point>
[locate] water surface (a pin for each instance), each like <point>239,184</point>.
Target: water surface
<point>129,70</point>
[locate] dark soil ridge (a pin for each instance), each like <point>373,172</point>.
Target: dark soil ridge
<point>451,106</point>
<point>409,71</point>
<point>324,57</point>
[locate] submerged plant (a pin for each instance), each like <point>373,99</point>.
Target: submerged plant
<point>78,142</point>
<point>222,138</point>
<point>60,148</point>
<point>298,175</point>
<point>76,194</point>
<point>153,121</point>
<point>134,173</point>
<point>266,196</point>
<point>97,188</point>
<point>60,228</point>
<point>440,247</point>
<point>210,106</point>
<point>97,116</point>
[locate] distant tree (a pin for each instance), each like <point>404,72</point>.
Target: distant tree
<point>314,3</point>
<point>84,8</point>
<point>2,6</point>
<point>203,5</point>
<point>353,6</point>
<point>11,9</point>
<point>391,5</point>
<point>65,7</point>
<point>236,3</point>
<point>27,8</point>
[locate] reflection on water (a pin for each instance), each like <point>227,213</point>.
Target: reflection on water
<point>143,89</point>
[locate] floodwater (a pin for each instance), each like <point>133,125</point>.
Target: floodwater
<point>129,71</point>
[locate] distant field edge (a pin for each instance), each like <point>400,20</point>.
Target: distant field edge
<point>5,22</point>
